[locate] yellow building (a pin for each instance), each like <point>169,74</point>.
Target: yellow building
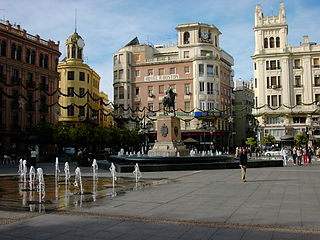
<point>106,118</point>
<point>79,85</point>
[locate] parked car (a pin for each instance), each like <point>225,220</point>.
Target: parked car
<point>273,152</point>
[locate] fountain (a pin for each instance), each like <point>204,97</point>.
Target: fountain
<point>20,170</point>
<point>67,174</point>
<point>24,171</point>
<point>32,177</point>
<point>114,177</point>
<point>78,181</point>
<point>57,170</point>
<point>41,185</point>
<point>137,172</point>
<point>95,170</point>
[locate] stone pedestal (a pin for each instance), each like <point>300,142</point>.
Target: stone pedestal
<point>168,138</point>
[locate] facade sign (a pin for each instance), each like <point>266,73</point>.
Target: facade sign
<point>208,114</point>
<point>161,77</point>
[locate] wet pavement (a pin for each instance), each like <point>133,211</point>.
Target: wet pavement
<point>275,203</point>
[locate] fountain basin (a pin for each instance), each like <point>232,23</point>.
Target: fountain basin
<point>155,164</point>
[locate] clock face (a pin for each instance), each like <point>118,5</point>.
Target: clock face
<point>204,34</point>
<point>80,43</point>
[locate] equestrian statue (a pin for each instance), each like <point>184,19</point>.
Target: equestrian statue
<point>169,102</point>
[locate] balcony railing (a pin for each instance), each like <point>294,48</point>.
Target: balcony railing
<point>274,86</point>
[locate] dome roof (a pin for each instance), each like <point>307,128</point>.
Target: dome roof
<point>74,38</point>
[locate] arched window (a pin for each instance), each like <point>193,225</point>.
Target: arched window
<point>79,53</point>
<point>277,42</point>
<point>186,38</point>
<point>265,43</point>
<point>73,51</point>
<point>28,56</point>
<point>33,57</point>
<point>19,51</point>
<point>271,42</point>
<point>3,48</point>
<point>13,51</point>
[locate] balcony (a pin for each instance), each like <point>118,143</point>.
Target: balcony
<point>162,59</point>
<point>275,87</point>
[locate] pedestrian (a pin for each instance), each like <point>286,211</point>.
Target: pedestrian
<point>33,156</point>
<point>309,154</point>
<point>285,154</point>
<point>299,156</point>
<point>294,155</point>
<point>243,163</point>
<point>304,156</point>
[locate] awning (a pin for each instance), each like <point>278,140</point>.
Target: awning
<point>190,140</point>
<point>287,138</point>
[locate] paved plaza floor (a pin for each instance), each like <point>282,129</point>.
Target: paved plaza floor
<point>274,203</point>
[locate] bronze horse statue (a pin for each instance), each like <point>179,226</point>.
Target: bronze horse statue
<point>169,102</point>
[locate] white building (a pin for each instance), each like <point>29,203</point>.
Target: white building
<point>286,79</point>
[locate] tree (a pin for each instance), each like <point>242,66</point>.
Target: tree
<point>251,142</point>
<point>269,140</point>
<point>301,139</point>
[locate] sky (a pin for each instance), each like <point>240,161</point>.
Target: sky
<point>108,25</point>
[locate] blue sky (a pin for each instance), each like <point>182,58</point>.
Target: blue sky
<point>107,25</point>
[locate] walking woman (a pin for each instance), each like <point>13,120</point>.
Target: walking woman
<point>243,163</point>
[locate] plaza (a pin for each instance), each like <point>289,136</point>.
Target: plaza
<point>275,203</point>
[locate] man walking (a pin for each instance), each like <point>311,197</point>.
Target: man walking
<point>243,163</point>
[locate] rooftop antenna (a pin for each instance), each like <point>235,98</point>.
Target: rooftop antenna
<point>75,20</point>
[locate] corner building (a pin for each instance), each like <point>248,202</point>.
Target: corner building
<point>197,69</point>
<point>28,84</point>
<point>286,80</point>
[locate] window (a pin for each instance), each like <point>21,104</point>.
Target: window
<point>277,42</point>
<point>210,105</point>
<point>217,71</point>
<point>255,66</point>
<point>186,54</point>
<point>70,75</point>
<point>187,70</point>
<point>137,91</point>
<point>88,78</point>
<point>255,83</point>
<point>271,40</point>
<point>150,106</point>
<point>187,106</point>
<point>161,71</point>
<point>116,93</point>
<point>187,125</point>
<point>274,100</point>
<point>298,99</point>
<point>82,76</point>
<point>121,92</point>
<point>70,111</point>
<point>3,48</point>
<point>120,74</point>
<point>115,75</point>
<point>81,111</point>
<point>173,70</point>
<point>137,73</point>
<point>70,92</point>
<point>317,80</point>
<point>209,70</point>
<point>274,82</point>
<point>81,91</point>
<point>115,59</point>
<point>265,43</point>
<point>316,63</point>
<point>209,88</point>
<point>201,85</point>
<point>161,89</point>
<point>317,98</point>
<point>137,57</point>
<point>296,63</point>
<point>15,75</point>
<point>297,81</point>
<point>186,38</point>
<point>202,105</point>
<point>150,72</point>
<point>201,70</point>
<point>299,120</point>
<point>120,58</point>
<point>187,88</point>
<point>150,91</point>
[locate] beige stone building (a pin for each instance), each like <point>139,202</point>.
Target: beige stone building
<point>197,69</point>
<point>286,79</point>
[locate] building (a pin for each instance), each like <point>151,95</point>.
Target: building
<point>79,85</point>
<point>28,77</point>
<point>106,111</point>
<point>197,69</point>
<point>245,123</point>
<point>286,80</point>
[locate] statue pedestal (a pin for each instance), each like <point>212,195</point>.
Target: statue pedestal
<point>168,139</point>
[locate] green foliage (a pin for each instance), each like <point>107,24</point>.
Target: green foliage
<point>317,142</point>
<point>251,142</point>
<point>301,139</point>
<point>269,140</point>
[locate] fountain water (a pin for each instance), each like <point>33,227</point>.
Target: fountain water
<point>41,185</point>
<point>137,172</point>
<point>20,169</point>
<point>32,177</point>
<point>57,170</point>
<point>95,170</point>
<point>24,171</point>
<point>114,177</point>
<point>67,173</point>
<point>78,181</point>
